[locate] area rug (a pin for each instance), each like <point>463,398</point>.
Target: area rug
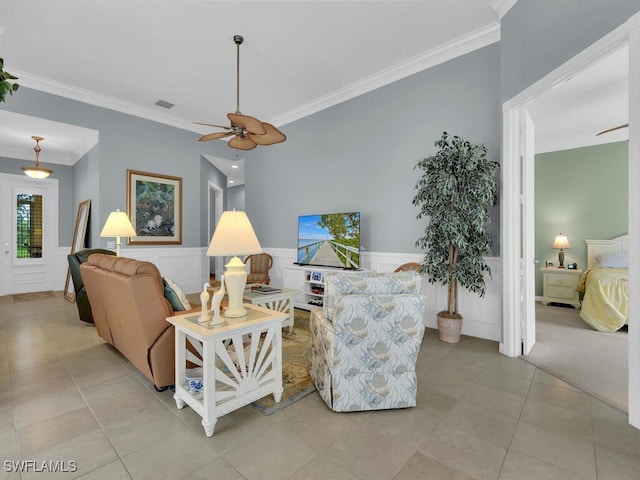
<point>295,375</point>
<point>568,348</point>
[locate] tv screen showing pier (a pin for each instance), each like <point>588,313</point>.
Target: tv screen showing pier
<point>329,240</point>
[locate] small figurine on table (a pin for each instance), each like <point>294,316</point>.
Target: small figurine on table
<point>204,300</point>
<point>215,304</point>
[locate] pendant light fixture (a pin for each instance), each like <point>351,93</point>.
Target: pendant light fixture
<point>37,172</point>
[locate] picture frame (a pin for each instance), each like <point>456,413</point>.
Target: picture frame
<point>316,277</point>
<point>154,205</point>
<point>78,243</point>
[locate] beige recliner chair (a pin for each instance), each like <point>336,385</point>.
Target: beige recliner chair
<point>130,310</point>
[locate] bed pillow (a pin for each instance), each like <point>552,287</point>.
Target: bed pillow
<point>613,260</point>
<point>175,295</point>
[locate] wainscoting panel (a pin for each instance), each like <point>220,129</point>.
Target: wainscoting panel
<point>188,267</point>
<point>482,316</point>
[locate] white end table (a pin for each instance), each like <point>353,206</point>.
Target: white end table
<point>229,383</point>
<point>282,301</point>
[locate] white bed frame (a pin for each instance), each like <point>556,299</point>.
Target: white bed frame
<point>598,247</point>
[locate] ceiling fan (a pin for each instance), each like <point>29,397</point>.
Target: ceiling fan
<point>249,132</point>
<point>612,129</point>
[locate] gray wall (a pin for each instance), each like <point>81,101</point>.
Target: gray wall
<point>126,142</point>
<point>236,198</point>
<point>359,155</point>
<point>64,174</point>
<point>582,192</point>
<point>537,36</point>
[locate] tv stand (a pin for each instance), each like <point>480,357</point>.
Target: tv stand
<point>302,278</point>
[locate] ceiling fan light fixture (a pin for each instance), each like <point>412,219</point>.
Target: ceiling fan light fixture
<point>249,132</point>
<point>37,171</point>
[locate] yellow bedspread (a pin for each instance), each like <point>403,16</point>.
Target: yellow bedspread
<point>606,298</point>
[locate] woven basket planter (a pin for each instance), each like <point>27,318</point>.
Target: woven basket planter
<point>449,328</point>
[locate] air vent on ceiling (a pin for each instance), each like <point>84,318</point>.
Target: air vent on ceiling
<point>163,104</point>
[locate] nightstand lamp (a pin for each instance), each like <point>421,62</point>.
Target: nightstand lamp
<point>561,242</point>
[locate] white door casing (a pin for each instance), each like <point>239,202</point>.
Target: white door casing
<point>527,279</point>
<point>22,275</point>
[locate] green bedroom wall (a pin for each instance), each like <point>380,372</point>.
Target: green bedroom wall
<point>582,193</point>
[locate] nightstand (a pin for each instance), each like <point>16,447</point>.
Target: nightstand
<point>559,286</point>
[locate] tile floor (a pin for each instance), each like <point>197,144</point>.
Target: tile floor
<point>66,396</point>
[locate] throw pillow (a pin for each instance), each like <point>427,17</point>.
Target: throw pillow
<point>175,295</point>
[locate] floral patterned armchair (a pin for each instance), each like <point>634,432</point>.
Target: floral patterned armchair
<point>365,340</point>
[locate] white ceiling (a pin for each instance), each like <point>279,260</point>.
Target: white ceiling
<point>298,57</point>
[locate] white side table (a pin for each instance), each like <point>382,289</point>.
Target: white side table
<point>228,386</point>
<point>559,286</point>
<point>282,301</point>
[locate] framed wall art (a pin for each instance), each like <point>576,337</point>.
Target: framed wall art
<point>154,205</point>
<point>78,243</point>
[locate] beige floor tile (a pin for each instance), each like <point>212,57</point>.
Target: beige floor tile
<point>558,419</point>
<point>40,374</point>
<point>543,377</point>
<point>505,382</point>
<point>35,403</point>
<point>491,426</point>
<point>274,455</point>
<point>450,378</point>
<point>617,466</point>
<point>36,360</point>
<point>511,366</point>
<point>420,466</point>
<point>372,452</point>
<point>519,466</point>
<point>138,431</point>
<point>617,437</point>
<point>494,400</point>
<point>573,400</point>
<point>8,445</point>
<point>90,451</point>
<point>111,388</point>
<point>322,468</point>
<point>38,437</point>
<point>180,453</point>
<point>218,469</point>
<point>464,452</point>
<point>112,471</point>
<point>114,410</point>
<point>563,451</point>
<point>434,402</point>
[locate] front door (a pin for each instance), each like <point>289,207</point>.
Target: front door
<point>29,219</point>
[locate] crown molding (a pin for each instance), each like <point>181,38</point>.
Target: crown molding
<point>502,6</point>
<point>86,96</point>
<point>448,51</point>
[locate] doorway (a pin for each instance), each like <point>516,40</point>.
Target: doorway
<point>517,250</point>
<point>215,209</point>
<point>29,220</point>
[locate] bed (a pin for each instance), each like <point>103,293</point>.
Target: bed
<point>605,284</point>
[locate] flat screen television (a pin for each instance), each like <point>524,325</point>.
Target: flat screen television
<point>329,240</point>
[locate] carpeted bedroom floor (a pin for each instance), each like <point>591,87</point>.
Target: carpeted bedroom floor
<point>592,361</point>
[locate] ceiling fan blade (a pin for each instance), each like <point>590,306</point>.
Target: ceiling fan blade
<point>214,136</point>
<point>272,136</point>
<point>250,124</point>
<point>212,125</point>
<point>242,143</point>
<point>612,129</point>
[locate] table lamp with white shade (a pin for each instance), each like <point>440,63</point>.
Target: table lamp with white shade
<point>234,236</point>
<point>560,242</point>
<point>118,225</point>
